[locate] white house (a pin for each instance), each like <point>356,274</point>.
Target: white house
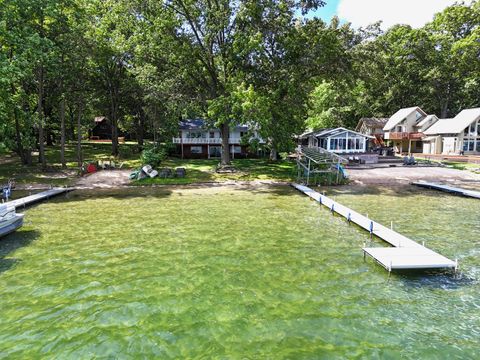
<point>338,140</point>
<point>454,136</point>
<point>197,140</point>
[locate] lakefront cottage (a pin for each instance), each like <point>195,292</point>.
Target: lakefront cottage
<point>403,129</point>
<point>197,140</point>
<point>337,140</point>
<point>460,135</point>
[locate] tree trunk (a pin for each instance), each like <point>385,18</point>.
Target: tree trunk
<point>225,132</point>
<point>444,110</point>
<point>25,155</point>
<point>273,153</point>
<point>114,122</point>
<point>18,134</point>
<point>140,132</point>
<point>62,132</point>
<point>114,137</point>
<point>71,124</point>
<point>79,135</point>
<point>41,140</point>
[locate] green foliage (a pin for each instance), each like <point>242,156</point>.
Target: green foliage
<point>147,64</point>
<point>153,155</point>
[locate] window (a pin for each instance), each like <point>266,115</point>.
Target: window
<point>215,151</point>
<point>468,144</point>
<point>195,135</point>
<point>212,134</point>
<point>358,144</point>
<point>196,149</point>
<point>473,129</point>
<point>333,144</point>
<point>478,145</point>
<point>323,143</point>
<point>351,144</point>
<point>236,149</point>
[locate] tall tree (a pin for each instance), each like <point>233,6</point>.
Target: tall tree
<point>214,41</point>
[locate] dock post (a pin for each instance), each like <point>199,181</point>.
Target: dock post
<point>371,229</point>
<point>391,225</point>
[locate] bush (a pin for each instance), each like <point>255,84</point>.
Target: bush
<point>153,155</point>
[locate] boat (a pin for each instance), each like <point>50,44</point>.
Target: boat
<point>10,221</point>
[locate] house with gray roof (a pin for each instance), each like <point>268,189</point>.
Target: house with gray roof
<point>197,139</point>
<point>460,135</point>
<point>337,140</point>
<point>403,130</point>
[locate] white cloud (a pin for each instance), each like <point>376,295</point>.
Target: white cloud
<point>412,12</point>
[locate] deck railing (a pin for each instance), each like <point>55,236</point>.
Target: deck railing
<point>405,135</point>
<point>215,141</point>
<point>211,141</point>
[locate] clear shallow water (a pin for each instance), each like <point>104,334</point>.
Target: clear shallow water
<point>202,273</point>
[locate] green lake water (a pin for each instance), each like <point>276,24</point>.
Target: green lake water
<point>229,273</point>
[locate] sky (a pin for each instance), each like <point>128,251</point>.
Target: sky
<point>364,12</point>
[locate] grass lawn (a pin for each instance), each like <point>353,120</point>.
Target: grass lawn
<point>198,170</point>
<point>11,167</point>
<point>201,170</point>
<point>453,164</point>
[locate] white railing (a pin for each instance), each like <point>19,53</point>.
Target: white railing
<point>204,141</point>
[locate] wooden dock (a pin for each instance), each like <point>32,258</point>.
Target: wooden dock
<point>405,253</point>
<point>44,195</point>
<point>448,189</point>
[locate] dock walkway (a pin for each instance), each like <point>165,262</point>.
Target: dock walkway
<point>28,200</point>
<point>405,254</point>
<point>449,189</point>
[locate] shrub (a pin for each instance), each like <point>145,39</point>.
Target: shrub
<point>153,155</point>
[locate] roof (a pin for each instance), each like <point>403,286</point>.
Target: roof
<point>455,125</point>
<point>191,124</point>
<point>440,127</point>
<point>372,122</point>
<point>200,124</point>
<point>426,120</point>
<point>400,115</point>
<point>331,132</point>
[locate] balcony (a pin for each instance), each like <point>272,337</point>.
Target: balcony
<point>404,135</point>
<point>204,141</point>
<point>210,141</point>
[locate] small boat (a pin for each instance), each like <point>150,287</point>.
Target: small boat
<point>9,219</point>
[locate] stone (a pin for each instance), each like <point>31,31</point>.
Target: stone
<point>180,172</point>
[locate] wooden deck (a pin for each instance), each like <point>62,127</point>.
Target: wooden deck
<point>28,200</point>
<point>405,254</point>
<point>449,189</point>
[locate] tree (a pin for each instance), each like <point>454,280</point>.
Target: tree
<point>213,43</point>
